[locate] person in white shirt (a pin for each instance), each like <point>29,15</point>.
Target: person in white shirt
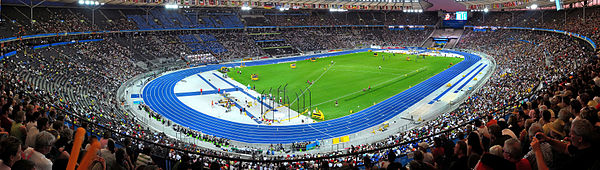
<point>43,144</point>
<point>108,154</point>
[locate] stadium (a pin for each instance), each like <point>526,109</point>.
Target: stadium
<point>298,84</point>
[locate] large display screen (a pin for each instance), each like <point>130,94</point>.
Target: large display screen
<point>460,15</point>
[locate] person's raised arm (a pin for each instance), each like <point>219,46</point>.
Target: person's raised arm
<point>557,145</point>
<point>539,156</point>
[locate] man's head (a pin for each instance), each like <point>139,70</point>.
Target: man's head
<point>460,148</point>
<point>111,145</point>
<point>19,117</point>
<point>564,115</point>
<point>58,125</point>
<point>42,124</point>
<point>10,150</point>
<point>147,150</point>
<point>581,133</point>
<point>44,141</point>
<point>535,128</point>
<point>495,130</point>
<point>512,150</point>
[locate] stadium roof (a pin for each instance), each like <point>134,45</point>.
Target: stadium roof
<point>510,4</point>
<point>274,4</point>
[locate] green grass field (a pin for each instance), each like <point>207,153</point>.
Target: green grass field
<point>344,80</point>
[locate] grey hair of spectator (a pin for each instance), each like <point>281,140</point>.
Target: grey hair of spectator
<point>66,133</point>
<point>496,150</point>
<point>564,115</point>
<point>512,146</point>
<point>535,128</point>
<point>583,128</point>
<point>44,139</point>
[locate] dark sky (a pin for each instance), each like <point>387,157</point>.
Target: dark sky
<point>448,5</point>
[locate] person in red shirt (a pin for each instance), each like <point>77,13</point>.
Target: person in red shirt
<point>491,121</point>
<point>513,153</point>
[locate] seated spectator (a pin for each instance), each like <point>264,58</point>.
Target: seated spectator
<point>418,163</point>
<point>144,158</point>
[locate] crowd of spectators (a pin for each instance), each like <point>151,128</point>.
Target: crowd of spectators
<point>341,38</point>
<point>576,20</point>
<point>327,18</point>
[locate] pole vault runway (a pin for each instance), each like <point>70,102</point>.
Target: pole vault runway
<point>160,96</point>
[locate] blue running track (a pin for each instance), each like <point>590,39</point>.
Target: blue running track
<point>159,95</point>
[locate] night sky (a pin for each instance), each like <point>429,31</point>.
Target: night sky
<point>448,5</point>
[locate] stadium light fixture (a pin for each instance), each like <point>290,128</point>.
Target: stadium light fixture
<point>534,6</point>
<point>337,10</point>
<point>89,2</point>
<point>171,6</point>
<point>246,8</point>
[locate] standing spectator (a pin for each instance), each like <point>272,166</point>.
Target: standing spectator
<point>42,125</point>
<point>6,123</point>
<point>43,144</point>
<point>460,153</point>
<point>108,154</point>
<point>545,148</point>
<point>18,129</point>
<point>512,153</point>
<point>122,160</point>
<point>104,140</point>
<point>24,165</point>
<point>582,150</point>
<point>10,152</point>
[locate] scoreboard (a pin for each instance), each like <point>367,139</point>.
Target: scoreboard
<point>459,15</point>
<point>454,19</point>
